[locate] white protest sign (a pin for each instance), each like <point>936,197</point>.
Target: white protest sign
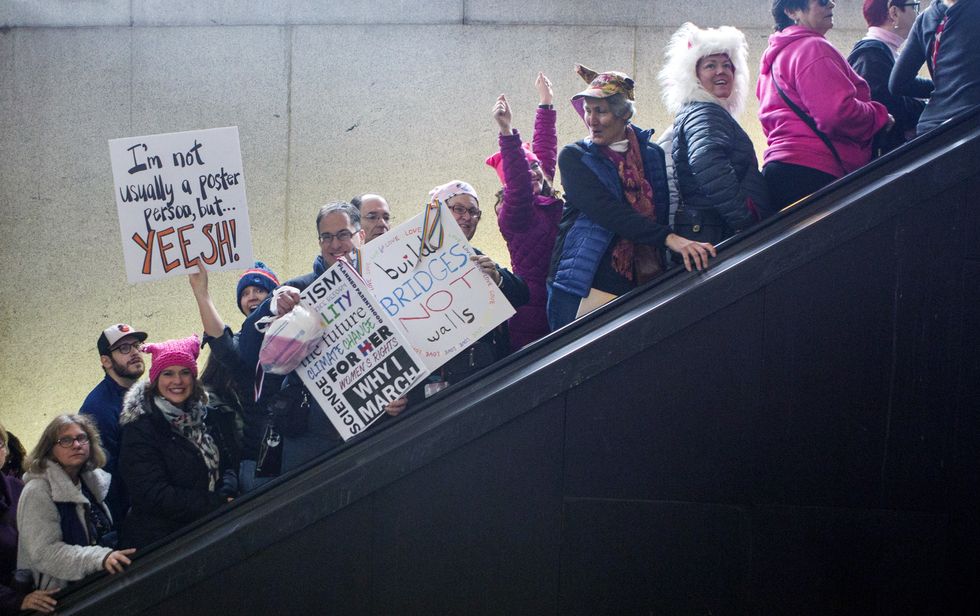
<point>181,199</point>
<point>364,361</point>
<point>441,299</point>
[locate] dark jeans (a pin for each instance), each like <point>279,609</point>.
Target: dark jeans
<point>789,183</point>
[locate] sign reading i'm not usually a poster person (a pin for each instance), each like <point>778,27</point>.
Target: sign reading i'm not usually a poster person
<point>363,361</point>
<point>440,298</point>
<point>181,200</point>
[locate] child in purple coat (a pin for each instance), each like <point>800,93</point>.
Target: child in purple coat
<point>528,210</point>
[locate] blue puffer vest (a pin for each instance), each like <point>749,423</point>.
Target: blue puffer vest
<point>586,241</point>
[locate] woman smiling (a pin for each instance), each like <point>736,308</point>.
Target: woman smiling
<point>176,466</point>
<point>704,83</point>
<point>613,231</point>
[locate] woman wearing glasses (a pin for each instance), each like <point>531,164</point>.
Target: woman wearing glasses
<point>613,230</point>
<point>873,57</point>
<point>944,37</point>
<point>172,459</point>
<point>816,112</point>
<point>65,527</point>
<point>464,205</point>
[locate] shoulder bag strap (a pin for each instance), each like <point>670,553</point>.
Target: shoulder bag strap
<point>809,122</point>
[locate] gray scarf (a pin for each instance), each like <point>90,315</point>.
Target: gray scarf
<point>190,424</point>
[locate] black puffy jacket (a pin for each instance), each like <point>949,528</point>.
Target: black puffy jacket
<point>874,61</point>
<point>716,168</point>
<point>167,477</point>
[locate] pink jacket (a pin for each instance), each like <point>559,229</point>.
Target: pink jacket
<point>529,223</point>
<point>816,77</point>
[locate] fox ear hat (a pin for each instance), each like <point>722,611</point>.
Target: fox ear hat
<point>603,85</point>
<point>678,79</point>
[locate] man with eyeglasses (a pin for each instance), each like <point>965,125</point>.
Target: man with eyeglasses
<point>122,363</point>
<point>375,215</point>
<point>339,233</point>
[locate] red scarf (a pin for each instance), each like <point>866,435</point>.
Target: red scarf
<point>638,192</point>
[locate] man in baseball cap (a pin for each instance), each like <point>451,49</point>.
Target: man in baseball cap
<point>122,363</point>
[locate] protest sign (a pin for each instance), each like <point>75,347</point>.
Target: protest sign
<point>363,362</point>
<point>441,299</point>
<point>181,200</point>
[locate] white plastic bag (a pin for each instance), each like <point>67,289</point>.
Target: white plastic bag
<point>289,339</point>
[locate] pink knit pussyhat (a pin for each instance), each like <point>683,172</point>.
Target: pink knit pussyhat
<point>182,352</point>
<point>497,161</point>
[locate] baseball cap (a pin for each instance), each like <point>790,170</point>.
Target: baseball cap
<point>114,333</point>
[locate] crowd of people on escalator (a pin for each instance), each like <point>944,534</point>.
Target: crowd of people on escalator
<point>144,457</point>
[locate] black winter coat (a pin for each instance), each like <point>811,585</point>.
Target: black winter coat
<point>166,475</point>
<point>873,61</point>
<point>716,168</point>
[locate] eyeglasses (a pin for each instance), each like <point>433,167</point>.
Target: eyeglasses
<point>69,441</point>
<point>127,347</point>
<point>462,210</point>
<point>342,236</point>
<point>914,5</point>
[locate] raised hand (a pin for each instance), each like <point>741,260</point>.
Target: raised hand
<point>543,85</point>
<point>501,113</point>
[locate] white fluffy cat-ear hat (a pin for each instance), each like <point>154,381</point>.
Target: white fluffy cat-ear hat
<point>678,78</point>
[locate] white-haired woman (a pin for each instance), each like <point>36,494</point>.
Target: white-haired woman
<point>613,230</point>
<point>704,84</point>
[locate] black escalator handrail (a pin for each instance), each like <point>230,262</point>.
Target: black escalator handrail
<point>529,377</point>
<point>806,206</point>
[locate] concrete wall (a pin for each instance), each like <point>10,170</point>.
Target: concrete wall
<point>331,99</point>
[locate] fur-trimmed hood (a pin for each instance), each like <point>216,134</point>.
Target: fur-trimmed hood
<point>678,78</point>
<point>137,402</point>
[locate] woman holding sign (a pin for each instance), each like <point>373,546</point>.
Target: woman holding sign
<point>464,204</point>
<point>174,463</point>
<point>614,229</point>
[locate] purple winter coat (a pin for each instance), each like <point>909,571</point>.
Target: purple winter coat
<point>529,223</point>
<point>10,489</point>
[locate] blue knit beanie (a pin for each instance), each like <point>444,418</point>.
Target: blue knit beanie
<point>259,276</point>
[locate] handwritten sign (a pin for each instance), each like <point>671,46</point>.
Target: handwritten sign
<point>441,299</point>
<point>181,199</point>
<point>364,361</point>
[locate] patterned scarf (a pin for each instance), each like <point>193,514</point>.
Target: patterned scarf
<point>638,192</point>
<point>190,425</point>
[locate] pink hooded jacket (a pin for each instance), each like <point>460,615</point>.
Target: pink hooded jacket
<point>816,77</point>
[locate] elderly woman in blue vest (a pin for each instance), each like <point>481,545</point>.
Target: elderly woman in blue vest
<point>704,84</point>
<point>613,229</point>
<point>62,518</point>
